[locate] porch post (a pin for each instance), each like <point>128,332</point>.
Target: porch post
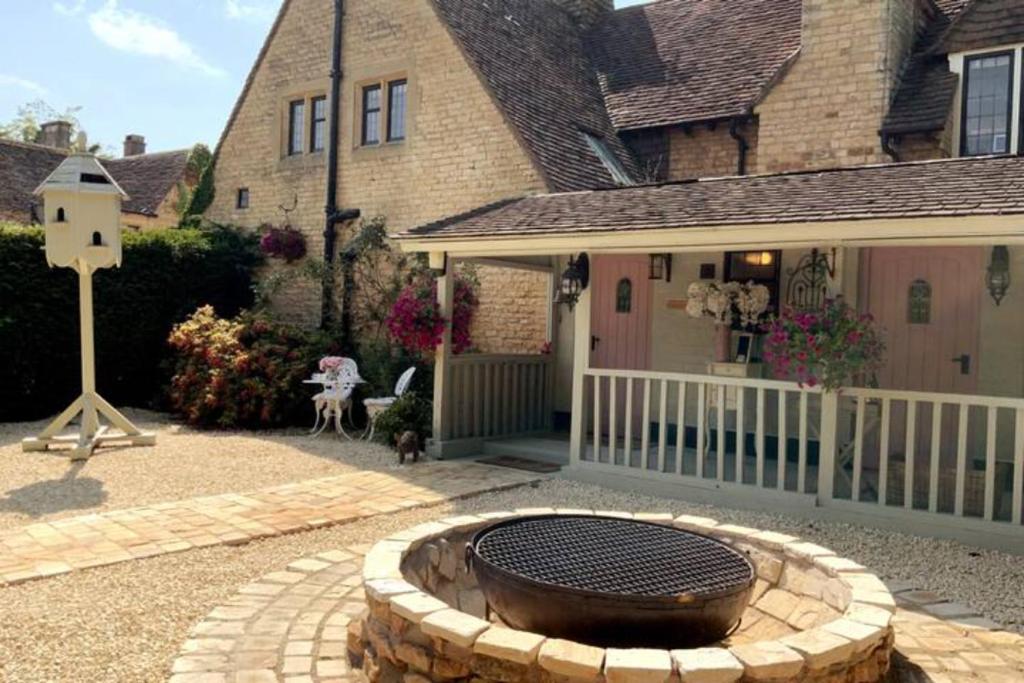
<point>827,446</point>
<point>552,340</point>
<point>443,353</point>
<point>580,363</point>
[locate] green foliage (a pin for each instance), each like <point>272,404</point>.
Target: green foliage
<point>27,123</point>
<point>242,372</point>
<point>408,413</point>
<point>203,193</point>
<point>165,276</point>
<point>199,159</point>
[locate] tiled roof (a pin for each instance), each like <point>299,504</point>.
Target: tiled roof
<point>676,61</point>
<point>986,23</point>
<point>22,167</point>
<point>925,95</point>
<point>913,190</point>
<point>530,55</point>
<point>148,178</point>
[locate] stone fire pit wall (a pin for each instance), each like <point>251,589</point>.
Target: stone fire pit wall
<point>813,617</point>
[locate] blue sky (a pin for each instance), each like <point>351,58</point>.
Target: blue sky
<point>167,69</point>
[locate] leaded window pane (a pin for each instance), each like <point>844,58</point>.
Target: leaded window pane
<point>396,110</point>
<point>986,125</point>
<point>919,303</point>
<point>319,127</point>
<point>296,115</point>
<point>371,115</point>
<point>624,296</point>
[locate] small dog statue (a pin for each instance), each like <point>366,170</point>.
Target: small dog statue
<point>408,442</point>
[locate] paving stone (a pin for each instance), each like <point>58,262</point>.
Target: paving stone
<point>707,665</point>
<point>571,659</point>
<point>638,665</point>
<point>948,610</point>
<point>778,603</point>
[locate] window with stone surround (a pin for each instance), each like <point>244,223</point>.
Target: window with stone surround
<point>296,121</point>
<point>987,115</point>
<point>318,124</point>
<point>371,114</point>
<point>383,111</point>
<point>242,198</point>
<point>396,110</point>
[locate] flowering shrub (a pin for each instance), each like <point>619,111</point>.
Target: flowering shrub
<point>725,302</point>
<point>287,243</point>
<point>416,323</point>
<point>241,372</point>
<point>832,347</point>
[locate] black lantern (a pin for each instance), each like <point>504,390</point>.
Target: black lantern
<point>661,267</point>
<point>997,279</point>
<point>574,280</point>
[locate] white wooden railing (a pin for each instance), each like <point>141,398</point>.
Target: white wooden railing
<point>960,456</point>
<point>490,395</point>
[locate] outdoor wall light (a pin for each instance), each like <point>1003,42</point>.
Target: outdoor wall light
<point>759,258</point>
<point>997,279</point>
<point>661,267</point>
<point>574,280</point>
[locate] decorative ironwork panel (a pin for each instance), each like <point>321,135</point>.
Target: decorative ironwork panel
<point>919,303</point>
<point>808,282</point>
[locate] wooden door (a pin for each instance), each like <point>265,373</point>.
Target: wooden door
<point>621,313</point>
<point>926,299</point>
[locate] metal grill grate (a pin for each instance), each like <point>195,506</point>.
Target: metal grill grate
<point>615,556</point>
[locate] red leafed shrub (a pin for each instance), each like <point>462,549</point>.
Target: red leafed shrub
<point>287,242</point>
<point>241,372</point>
<point>416,323</point>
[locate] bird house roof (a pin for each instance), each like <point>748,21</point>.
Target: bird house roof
<point>81,173</point>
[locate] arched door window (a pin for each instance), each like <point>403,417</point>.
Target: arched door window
<point>624,296</point>
<point>919,303</point>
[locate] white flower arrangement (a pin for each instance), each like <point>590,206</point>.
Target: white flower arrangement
<point>724,302</point>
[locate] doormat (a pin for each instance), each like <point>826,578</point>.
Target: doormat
<point>517,463</point>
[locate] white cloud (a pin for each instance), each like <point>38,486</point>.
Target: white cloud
<point>69,9</point>
<point>137,33</point>
<point>251,10</point>
<point>23,83</point>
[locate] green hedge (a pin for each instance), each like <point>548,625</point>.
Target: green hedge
<point>164,277</point>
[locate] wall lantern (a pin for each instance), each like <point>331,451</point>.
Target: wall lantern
<point>574,280</point>
<point>759,258</point>
<point>997,279</point>
<point>661,267</point>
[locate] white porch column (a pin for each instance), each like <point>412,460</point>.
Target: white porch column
<point>443,353</point>
<point>580,363</point>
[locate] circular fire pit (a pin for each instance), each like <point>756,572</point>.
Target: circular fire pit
<point>611,582</point>
<point>808,615</point>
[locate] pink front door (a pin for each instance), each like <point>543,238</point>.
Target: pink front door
<point>926,300</point>
<point>621,312</point>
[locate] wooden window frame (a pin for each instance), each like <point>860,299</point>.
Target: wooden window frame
<point>313,121</point>
<point>965,90</point>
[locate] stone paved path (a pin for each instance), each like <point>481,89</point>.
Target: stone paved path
<point>291,626</point>
<point>61,546</point>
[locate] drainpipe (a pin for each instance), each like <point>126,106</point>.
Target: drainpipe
<point>332,215</point>
<point>742,146</point>
<point>887,146</point>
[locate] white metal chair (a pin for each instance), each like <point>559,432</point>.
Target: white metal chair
<point>336,396</point>
<point>376,406</point>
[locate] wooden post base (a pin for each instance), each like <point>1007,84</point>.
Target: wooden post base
<point>92,434</point>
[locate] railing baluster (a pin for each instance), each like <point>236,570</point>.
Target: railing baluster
<point>720,451</point>
<point>858,448</point>
<point>662,424</point>
<point>933,472</point>
<point>1018,465</point>
<point>597,418</point>
<point>961,460</point>
<point>783,440</point>
<point>908,472</point>
<point>759,437</point>
<point>741,432</point>
<point>613,449</point>
<point>681,427</point>
<point>801,471</point>
<point>701,423</point>
<point>883,453</point>
<point>990,463</point>
<point>627,443</point>
<point>645,427</point>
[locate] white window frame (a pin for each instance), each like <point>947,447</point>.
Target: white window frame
<point>957,62</point>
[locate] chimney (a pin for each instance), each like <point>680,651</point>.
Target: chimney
<point>134,145</point>
<point>55,134</point>
<point>587,12</point>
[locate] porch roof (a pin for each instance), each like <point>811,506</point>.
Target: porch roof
<point>946,189</point>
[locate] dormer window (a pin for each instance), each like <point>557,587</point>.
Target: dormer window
<point>986,125</point>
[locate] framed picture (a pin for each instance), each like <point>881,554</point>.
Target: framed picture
<point>744,347</point>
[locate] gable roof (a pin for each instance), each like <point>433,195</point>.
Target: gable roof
<point>678,61</point>
<point>22,167</point>
<point>531,56</point>
<point>148,178</point>
<point>910,190</point>
<point>985,23</point>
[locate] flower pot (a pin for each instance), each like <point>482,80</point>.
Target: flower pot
<point>723,343</point>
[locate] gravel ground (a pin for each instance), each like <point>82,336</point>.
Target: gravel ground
<point>57,629</point>
<point>185,463</point>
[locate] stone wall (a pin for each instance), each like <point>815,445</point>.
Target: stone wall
<point>709,151</point>
<point>828,108</point>
<point>459,153</point>
<point>513,312</point>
